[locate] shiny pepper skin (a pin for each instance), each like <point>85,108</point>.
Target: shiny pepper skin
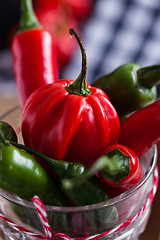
<point>34,54</point>
<point>125,173</point>
<point>130,87</point>
<point>34,66</point>
<point>67,126</point>
<point>22,175</point>
<point>141,130</point>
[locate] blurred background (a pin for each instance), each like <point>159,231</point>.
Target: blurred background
<point>113,33</point>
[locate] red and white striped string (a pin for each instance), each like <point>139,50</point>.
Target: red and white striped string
<point>58,235</point>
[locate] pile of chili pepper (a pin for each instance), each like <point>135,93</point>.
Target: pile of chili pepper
<point>73,129</point>
<point>74,183</point>
<point>92,130</point>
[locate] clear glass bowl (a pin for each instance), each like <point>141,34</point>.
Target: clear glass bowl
<point>80,221</point>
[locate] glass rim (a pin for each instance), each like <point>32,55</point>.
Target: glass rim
<point>25,203</point>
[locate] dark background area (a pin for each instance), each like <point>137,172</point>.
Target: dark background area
<point>9,14</point>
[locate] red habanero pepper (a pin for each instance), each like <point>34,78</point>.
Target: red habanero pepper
<point>34,54</point>
<point>70,120</point>
<point>122,169</point>
<point>141,130</point>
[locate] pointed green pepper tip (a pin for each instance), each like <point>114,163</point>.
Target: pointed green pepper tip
<point>149,76</point>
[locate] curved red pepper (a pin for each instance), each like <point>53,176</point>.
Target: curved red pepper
<point>141,130</point>
<point>129,180</point>
<point>66,124</point>
<point>34,55</point>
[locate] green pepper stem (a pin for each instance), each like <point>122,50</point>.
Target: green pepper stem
<point>58,166</point>
<point>28,19</point>
<point>149,76</point>
<point>2,138</point>
<point>79,86</point>
<point>100,164</point>
<point>113,166</point>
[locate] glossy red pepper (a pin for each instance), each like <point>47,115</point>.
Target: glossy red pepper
<point>122,171</point>
<point>141,130</point>
<point>70,120</point>
<point>34,55</point>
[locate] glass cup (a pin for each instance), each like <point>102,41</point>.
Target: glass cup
<point>85,220</point>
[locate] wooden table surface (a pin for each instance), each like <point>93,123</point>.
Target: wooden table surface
<point>152,231</point>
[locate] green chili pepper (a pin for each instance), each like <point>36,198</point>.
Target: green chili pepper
<point>12,155</point>
<point>84,193</point>
<point>22,175</point>
<point>130,87</point>
<point>93,190</point>
<point>89,192</point>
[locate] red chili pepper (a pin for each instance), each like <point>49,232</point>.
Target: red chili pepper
<point>141,130</point>
<point>70,120</point>
<point>122,169</point>
<point>33,49</point>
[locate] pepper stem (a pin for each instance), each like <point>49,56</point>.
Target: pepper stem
<point>100,164</point>
<point>58,166</point>
<point>149,76</point>
<point>114,166</point>
<point>28,19</point>
<point>79,86</point>
<point>2,138</point>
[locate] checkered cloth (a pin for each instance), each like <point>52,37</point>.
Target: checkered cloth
<point>118,32</point>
